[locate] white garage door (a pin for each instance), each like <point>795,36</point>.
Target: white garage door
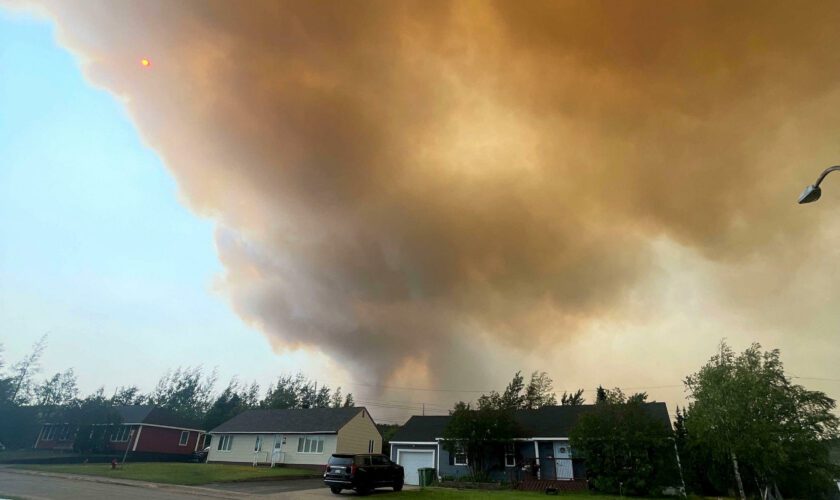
<point>411,460</point>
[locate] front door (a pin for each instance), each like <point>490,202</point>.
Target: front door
<point>563,460</point>
<point>277,450</point>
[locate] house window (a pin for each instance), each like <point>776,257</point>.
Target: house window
<point>311,444</point>
<point>65,433</point>
<point>370,446</point>
<point>258,444</point>
<point>51,435</point>
<point>185,437</point>
<point>510,456</point>
<point>225,442</point>
<point>120,434</point>
<point>460,455</point>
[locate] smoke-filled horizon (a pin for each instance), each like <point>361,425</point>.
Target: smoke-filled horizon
<point>437,194</point>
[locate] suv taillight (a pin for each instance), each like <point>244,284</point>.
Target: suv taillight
<point>353,469</point>
<point>326,468</point>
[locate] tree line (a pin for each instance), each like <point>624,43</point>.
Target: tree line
<point>27,401</point>
<point>748,431</point>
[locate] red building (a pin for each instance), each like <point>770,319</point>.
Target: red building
<point>145,429</point>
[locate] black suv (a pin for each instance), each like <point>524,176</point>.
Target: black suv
<point>362,473</point>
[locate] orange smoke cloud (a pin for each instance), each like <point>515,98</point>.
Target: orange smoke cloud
<point>394,180</point>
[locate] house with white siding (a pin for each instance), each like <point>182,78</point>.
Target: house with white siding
<point>299,437</point>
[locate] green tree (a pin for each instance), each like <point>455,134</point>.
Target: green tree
<point>743,408</point>
<point>478,432</point>
<point>128,395</point>
<point>187,392</point>
<point>284,393</point>
<point>230,403</point>
<point>572,399</point>
<point>517,395</point>
<point>625,448</point>
<point>93,417</point>
<point>21,383</point>
<point>58,390</point>
<point>540,392</point>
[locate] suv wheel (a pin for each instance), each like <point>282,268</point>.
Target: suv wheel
<point>398,486</point>
<point>335,489</point>
<point>363,490</point>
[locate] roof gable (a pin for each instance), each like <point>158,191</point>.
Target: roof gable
<point>290,421</point>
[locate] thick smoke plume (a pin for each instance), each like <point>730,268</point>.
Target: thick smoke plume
<point>407,182</point>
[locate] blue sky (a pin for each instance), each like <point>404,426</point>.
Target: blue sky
<point>95,247</point>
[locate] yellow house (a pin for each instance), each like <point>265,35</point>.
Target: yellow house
<point>300,437</point>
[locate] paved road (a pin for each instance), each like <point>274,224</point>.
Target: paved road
<point>270,487</point>
<point>41,487</point>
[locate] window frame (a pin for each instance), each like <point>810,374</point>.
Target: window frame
<point>225,443</point>
<point>510,453</point>
<point>371,444</point>
<point>311,445</point>
<point>182,441</point>
<point>258,444</point>
<point>121,434</point>
<point>460,450</point>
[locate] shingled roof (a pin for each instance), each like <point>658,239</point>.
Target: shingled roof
<point>152,415</point>
<point>320,420</point>
<point>546,422</point>
<point>421,429</point>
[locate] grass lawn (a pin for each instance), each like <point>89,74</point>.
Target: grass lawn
<point>447,493</point>
<point>174,473</point>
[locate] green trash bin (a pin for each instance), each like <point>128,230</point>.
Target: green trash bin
<point>427,476</point>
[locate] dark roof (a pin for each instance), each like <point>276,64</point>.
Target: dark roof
<point>557,421</point>
<point>291,421</point>
<point>152,415</point>
<point>546,422</point>
<point>421,429</point>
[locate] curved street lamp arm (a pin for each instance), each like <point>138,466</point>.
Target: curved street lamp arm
<point>826,172</point>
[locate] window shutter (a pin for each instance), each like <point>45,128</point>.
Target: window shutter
<point>451,457</point>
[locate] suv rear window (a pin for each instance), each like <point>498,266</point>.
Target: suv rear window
<point>341,460</point>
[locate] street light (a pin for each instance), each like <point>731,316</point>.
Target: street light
<point>812,193</point>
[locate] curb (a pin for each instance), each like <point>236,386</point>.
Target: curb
<point>190,490</point>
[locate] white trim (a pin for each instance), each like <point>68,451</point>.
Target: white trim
<point>511,454</point>
<point>228,445</point>
<point>197,441</point>
<point>181,438</point>
<point>38,440</point>
<point>537,458</point>
<point>137,438</point>
<point>455,454</point>
<point>414,442</point>
<point>161,426</point>
<point>415,451</point>
<point>318,442</point>
<point>542,439</point>
<point>269,432</point>
<point>438,460</point>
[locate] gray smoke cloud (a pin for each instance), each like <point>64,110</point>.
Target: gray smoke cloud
<point>411,182</point>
